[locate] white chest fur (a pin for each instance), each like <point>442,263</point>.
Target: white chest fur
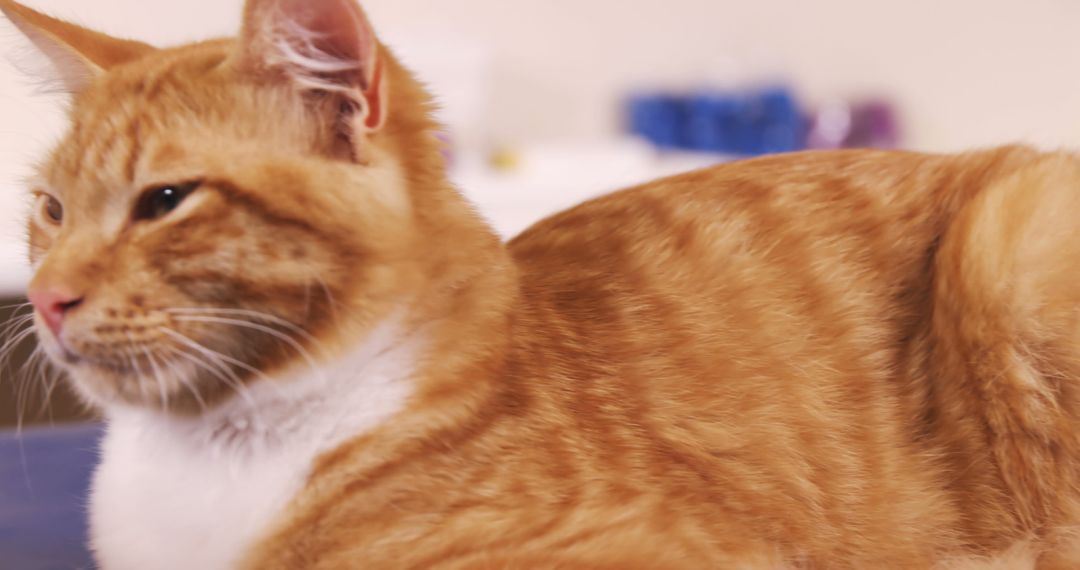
<point>189,494</point>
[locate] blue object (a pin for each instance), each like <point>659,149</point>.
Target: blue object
<point>741,123</point>
<point>44,479</point>
<point>658,118</point>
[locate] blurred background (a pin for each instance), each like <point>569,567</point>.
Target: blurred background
<point>549,102</point>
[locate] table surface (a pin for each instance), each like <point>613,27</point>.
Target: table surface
<point>44,478</point>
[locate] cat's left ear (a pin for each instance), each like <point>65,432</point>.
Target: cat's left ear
<point>76,54</point>
<point>325,46</point>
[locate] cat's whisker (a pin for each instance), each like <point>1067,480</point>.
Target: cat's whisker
<point>256,315</point>
<point>16,332</point>
<point>22,396</point>
<point>303,352</point>
<point>7,352</point>
<point>214,355</point>
<point>133,359</point>
<point>221,334</point>
<point>195,393</point>
<point>17,310</point>
<point>37,362</point>
<point>29,387</point>
<point>194,389</point>
<point>158,378</point>
<point>307,299</point>
<point>219,371</point>
<point>50,381</point>
<point>50,377</point>
<point>184,381</point>
<point>9,347</point>
<point>329,297</point>
<point>15,324</point>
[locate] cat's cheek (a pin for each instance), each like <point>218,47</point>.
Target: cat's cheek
<point>37,255</point>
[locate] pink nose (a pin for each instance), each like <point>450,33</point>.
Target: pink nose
<point>52,305</point>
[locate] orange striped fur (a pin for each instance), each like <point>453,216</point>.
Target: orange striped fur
<point>840,360</point>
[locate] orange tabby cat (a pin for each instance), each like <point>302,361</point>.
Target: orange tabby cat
<point>313,354</point>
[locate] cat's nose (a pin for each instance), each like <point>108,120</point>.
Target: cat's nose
<point>53,305</point>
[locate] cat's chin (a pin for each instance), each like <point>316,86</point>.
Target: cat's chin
<point>137,379</point>
<point>175,389</point>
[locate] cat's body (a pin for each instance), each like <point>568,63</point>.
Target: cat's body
<point>835,360</point>
<point>705,372</point>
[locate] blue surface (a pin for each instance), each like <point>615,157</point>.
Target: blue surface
<point>44,478</point>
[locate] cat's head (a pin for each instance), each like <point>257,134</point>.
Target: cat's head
<point>216,210</point>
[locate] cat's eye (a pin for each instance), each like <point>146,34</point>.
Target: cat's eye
<point>159,201</point>
<point>52,208</point>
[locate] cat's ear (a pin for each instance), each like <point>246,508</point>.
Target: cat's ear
<point>325,46</point>
<point>75,54</point>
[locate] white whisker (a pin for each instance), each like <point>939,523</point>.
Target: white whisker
<point>37,362</point>
<point>220,371</point>
<point>303,352</point>
<point>188,384</point>
<point>208,352</point>
<point>191,387</point>
<point>258,315</point>
<point>22,387</point>
<point>16,322</point>
<point>158,378</point>
<point>51,378</point>
<point>132,358</point>
<point>13,335</point>
<point>329,297</point>
<point>222,359</point>
<point>14,338</point>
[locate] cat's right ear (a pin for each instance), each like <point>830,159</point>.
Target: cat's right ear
<point>320,46</point>
<point>77,55</point>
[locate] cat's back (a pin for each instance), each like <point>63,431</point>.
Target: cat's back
<point>873,196</point>
<point>745,330</point>
<point>817,240</point>
<point>830,236</point>
<point>779,274</point>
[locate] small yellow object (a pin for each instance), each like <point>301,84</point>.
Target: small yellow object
<point>504,159</point>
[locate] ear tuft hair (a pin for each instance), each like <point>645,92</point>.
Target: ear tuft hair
<point>322,47</point>
<point>51,69</point>
<point>74,55</point>
<point>296,50</point>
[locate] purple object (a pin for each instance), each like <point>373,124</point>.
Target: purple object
<point>868,124</point>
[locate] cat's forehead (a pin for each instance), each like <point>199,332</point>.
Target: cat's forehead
<point>144,119</point>
<point>110,119</point>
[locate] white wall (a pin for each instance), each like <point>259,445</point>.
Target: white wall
<point>965,72</point>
